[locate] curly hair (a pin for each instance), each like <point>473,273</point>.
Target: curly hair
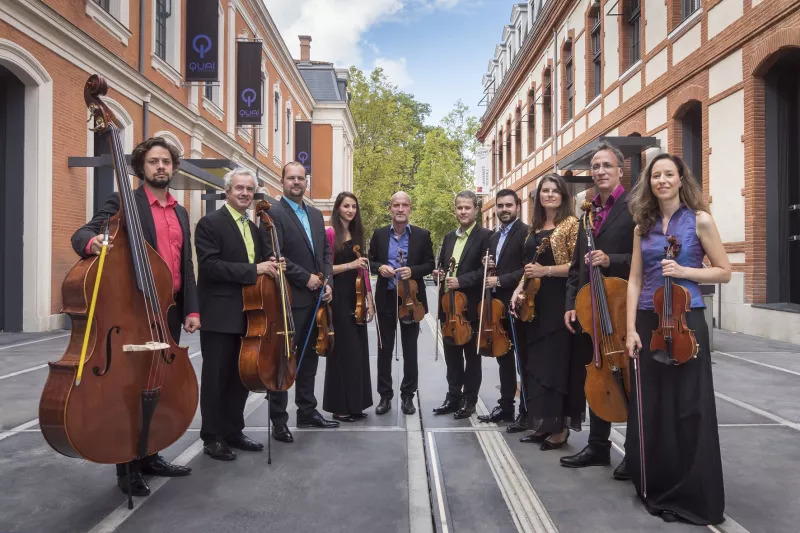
<point>643,204</point>
<point>539,215</point>
<point>138,154</point>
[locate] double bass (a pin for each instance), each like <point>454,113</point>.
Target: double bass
<point>673,342</point>
<point>492,337</point>
<point>600,306</point>
<point>410,309</point>
<point>139,393</point>
<point>526,307</point>
<point>455,327</point>
<point>267,356</point>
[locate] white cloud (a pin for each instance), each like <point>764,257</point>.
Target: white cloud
<point>396,70</point>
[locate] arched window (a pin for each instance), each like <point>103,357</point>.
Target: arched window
<point>531,119</point>
<point>518,137</point>
<point>547,109</point>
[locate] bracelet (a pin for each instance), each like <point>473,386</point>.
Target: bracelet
<point>549,272</point>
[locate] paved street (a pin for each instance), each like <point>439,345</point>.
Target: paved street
<point>397,472</point>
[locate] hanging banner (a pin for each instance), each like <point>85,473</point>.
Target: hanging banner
<point>202,41</point>
<point>248,83</point>
<point>302,144</point>
<point>483,170</point>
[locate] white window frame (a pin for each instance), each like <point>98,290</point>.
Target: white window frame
<point>289,144</point>
<point>263,134</point>
<point>171,68</point>
<point>115,21</point>
<point>215,102</point>
<point>277,126</point>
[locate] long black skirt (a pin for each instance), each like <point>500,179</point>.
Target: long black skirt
<point>682,458</point>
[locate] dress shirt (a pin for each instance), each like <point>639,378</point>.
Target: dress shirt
<point>244,229</point>
<point>602,210</point>
<point>504,230</point>
<point>395,244</point>
<point>461,241</point>
<point>300,211</point>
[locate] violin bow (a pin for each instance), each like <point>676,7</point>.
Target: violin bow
<point>311,325</point>
<point>483,297</point>
<point>438,305</point>
<point>516,357</point>
<point>90,318</point>
<point>639,409</point>
<point>588,227</point>
<point>372,300</point>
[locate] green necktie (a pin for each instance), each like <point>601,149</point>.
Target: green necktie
<point>248,240</point>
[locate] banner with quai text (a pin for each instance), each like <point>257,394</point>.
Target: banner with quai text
<point>202,41</point>
<point>248,83</point>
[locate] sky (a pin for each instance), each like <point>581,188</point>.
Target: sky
<point>438,50</point>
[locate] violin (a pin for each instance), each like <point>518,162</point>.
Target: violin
<point>267,356</point>
<point>325,333</point>
<point>673,342</point>
<point>600,306</point>
<point>409,309</point>
<point>141,392</point>
<point>362,304</point>
<point>455,327</point>
<point>492,337</point>
<point>526,306</point>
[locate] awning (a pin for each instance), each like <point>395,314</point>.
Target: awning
<point>190,176</point>
<point>217,167</point>
<point>580,159</point>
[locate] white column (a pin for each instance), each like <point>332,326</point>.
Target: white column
<point>230,43</point>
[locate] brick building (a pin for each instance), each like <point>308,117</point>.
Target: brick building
<point>714,81</point>
<point>52,173</point>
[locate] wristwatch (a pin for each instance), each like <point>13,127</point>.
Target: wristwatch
<point>498,283</point>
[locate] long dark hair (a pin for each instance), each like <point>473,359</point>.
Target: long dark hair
<point>643,204</point>
<point>565,210</point>
<point>356,226</point>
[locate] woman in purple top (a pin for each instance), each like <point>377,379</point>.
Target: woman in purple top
<point>683,469</point>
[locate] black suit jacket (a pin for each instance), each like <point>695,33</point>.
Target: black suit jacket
<point>511,262</point>
<point>223,269</point>
<point>615,238</point>
<point>420,259</point>
<point>301,260</point>
<point>470,266</point>
<point>186,299</point>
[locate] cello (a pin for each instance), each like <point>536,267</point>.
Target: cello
<point>526,308</point>
<point>267,356</point>
<point>600,306</point>
<point>492,337</point>
<point>455,327</point>
<point>141,392</point>
<point>673,342</point>
<point>410,309</point>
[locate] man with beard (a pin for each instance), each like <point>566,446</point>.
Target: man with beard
<point>506,246</point>
<point>165,225</point>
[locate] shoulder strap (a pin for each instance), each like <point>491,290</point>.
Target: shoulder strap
<point>330,235</point>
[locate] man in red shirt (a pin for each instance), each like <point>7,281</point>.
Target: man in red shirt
<point>165,225</point>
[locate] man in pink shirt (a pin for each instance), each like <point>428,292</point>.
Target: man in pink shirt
<point>165,225</point>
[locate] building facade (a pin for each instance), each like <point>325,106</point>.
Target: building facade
<point>52,175</point>
<point>714,81</point>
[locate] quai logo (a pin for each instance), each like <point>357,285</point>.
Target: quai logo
<point>248,97</point>
<point>201,47</point>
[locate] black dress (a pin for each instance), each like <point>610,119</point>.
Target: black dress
<point>348,388</point>
<point>555,377</point>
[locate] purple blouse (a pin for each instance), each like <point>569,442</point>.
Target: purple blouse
<point>683,225</point>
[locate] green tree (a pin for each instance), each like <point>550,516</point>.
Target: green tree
<point>462,128</point>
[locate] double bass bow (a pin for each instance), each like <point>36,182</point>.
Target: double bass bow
<point>526,306</point>
<point>673,342</point>
<point>141,392</point>
<point>267,356</point>
<point>600,306</point>
<point>492,338</point>
<point>455,327</point>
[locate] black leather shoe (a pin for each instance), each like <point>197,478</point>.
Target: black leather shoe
<point>498,414</point>
<point>281,433</point>
<point>550,445</point>
<point>359,415</point>
<point>467,410</point>
<point>449,406</point>
<point>407,405</point>
<point>621,472</point>
<point>344,418</point>
<point>219,450</point>
<point>158,466</point>
<point>589,456</point>
<point>533,438</point>
<point>139,486</point>
<point>384,406</point>
<point>243,442</point>
<point>317,421</point>
<point>519,425</point>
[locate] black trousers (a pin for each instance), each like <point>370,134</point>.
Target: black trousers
<point>174,323</point>
<point>409,333</point>
<point>222,395</point>
<point>507,366</point>
<point>304,381</point>
<point>463,370</point>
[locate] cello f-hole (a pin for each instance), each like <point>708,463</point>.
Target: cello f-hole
<point>96,370</point>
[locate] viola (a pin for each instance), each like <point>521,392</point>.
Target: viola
<point>600,306</point>
<point>267,356</point>
<point>409,309</point>
<point>672,342</point>
<point>492,337</point>
<point>362,304</point>
<point>325,333</point>
<point>140,392</point>
<point>526,306</point>
<point>455,327</point>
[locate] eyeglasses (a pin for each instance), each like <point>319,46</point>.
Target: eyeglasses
<point>606,165</point>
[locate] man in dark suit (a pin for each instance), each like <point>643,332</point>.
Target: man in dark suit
<point>467,244</point>
<point>301,234</point>
<point>613,239</point>
<point>506,246</point>
<point>165,226</point>
<point>231,252</point>
<point>415,243</point>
